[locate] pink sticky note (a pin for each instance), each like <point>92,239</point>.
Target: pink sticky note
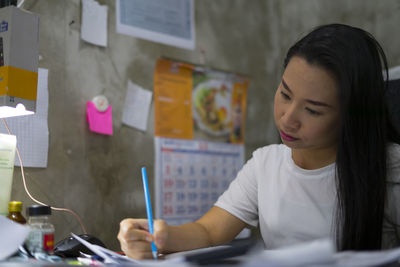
<point>99,122</point>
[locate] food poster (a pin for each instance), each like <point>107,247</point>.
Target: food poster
<point>190,175</point>
<point>192,102</point>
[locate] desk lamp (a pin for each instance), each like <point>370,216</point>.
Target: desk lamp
<point>19,46</point>
<point>19,50</point>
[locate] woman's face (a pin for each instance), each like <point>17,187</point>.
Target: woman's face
<point>306,107</point>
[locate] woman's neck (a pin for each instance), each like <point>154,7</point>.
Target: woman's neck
<point>311,159</point>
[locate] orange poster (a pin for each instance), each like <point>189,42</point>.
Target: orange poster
<point>172,100</point>
<point>194,103</point>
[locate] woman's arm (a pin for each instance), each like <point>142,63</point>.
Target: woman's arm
<point>216,227</point>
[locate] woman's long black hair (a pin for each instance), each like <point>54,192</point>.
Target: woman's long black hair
<point>357,60</point>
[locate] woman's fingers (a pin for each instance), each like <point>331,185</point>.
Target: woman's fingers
<point>134,230</point>
<point>160,233</point>
<point>135,238</point>
<point>137,249</point>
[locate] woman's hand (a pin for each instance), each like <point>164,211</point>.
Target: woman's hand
<point>215,228</point>
<point>135,239</point>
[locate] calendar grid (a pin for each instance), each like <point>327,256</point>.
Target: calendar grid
<point>191,175</point>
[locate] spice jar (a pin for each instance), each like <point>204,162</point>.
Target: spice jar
<point>41,236</point>
<point>14,212</point>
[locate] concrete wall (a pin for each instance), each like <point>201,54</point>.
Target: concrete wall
<point>99,176</point>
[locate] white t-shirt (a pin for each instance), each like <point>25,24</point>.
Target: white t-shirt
<point>291,204</point>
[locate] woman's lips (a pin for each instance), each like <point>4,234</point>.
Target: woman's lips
<point>287,137</point>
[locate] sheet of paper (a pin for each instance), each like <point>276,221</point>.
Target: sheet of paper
<point>317,252</point>
<point>99,122</point>
<point>191,175</point>
<point>32,131</point>
<point>12,236</point>
<point>108,255</point>
<point>370,258</point>
<point>137,106</point>
<point>321,253</point>
<point>168,22</point>
<point>179,257</point>
<point>94,23</point>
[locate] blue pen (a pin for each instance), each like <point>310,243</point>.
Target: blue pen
<point>148,210</point>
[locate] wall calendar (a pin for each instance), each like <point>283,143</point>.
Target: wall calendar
<point>190,176</point>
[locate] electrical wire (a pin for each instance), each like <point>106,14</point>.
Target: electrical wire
<point>20,3</point>
<point>37,201</point>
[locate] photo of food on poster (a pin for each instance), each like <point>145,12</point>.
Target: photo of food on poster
<point>196,103</point>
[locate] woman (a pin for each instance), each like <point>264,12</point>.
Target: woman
<point>336,172</point>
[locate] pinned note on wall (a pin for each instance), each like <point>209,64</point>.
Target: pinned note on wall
<point>99,115</point>
<point>94,23</point>
<point>137,106</point>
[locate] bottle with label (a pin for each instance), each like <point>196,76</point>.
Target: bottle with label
<point>14,212</point>
<point>41,236</point>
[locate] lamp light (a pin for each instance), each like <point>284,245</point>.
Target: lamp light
<point>19,110</point>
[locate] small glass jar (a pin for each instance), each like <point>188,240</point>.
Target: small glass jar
<point>14,212</point>
<point>41,236</point>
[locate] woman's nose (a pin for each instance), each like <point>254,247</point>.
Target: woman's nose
<point>290,118</point>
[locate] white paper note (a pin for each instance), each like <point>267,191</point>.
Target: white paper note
<point>94,23</point>
<point>12,236</point>
<point>32,131</point>
<point>137,106</point>
<point>168,22</point>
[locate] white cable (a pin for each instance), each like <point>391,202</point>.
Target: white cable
<point>37,201</point>
<point>21,3</point>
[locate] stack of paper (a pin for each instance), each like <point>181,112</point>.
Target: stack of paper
<point>12,236</point>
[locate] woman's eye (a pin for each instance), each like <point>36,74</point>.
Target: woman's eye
<point>313,112</point>
<point>285,96</point>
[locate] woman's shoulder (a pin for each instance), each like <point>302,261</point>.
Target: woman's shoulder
<point>276,151</point>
